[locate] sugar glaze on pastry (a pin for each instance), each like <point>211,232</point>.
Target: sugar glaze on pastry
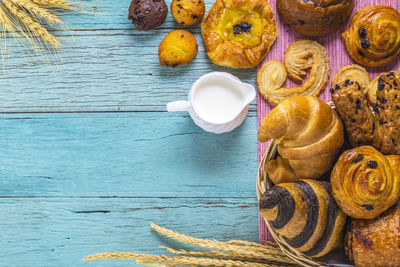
<point>238,33</point>
<point>301,57</point>
<point>309,135</point>
<point>373,38</point>
<point>365,182</point>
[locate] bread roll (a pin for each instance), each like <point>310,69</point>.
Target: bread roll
<point>309,133</point>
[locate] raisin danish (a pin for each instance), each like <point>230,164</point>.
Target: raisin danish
<point>373,38</point>
<point>365,182</point>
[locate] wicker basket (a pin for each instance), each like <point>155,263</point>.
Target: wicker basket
<point>263,182</point>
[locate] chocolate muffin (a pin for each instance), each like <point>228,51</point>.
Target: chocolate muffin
<point>147,14</point>
<point>315,17</point>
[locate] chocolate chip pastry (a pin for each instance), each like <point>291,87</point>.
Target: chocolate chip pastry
<point>380,128</point>
<point>387,111</point>
<point>353,108</point>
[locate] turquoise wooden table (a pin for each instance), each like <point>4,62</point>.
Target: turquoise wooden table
<point>89,155</point>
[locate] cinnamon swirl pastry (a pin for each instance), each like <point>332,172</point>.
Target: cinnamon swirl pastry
<point>373,38</point>
<point>305,214</point>
<point>365,183</point>
<point>300,57</point>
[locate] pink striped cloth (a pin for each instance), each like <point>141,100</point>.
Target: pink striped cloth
<point>338,57</point>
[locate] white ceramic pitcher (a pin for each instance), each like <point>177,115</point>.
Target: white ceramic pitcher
<point>244,95</point>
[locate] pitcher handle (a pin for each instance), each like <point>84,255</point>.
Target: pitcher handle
<point>178,106</point>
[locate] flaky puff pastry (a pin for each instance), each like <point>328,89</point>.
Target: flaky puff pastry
<point>238,33</point>
<point>375,242</point>
<point>309,135</point>
<point>301,57</point>
<point>365,183</point>
<point>373,38</point>
<point>305,214</point>
<point>354,73</point>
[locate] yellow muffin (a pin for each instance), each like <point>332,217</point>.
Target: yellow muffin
<point>177,48</point>
<point>188,12</point>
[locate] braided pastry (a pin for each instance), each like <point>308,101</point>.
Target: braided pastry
<point>301,56</point>
<point>305,214</point>
<point>309,134</point>
<point>365,183</point>
<point>373,38</point>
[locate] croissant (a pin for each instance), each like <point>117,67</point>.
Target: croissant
<point>365,183</point>
<point>305,214</point>
<point>310,135</point>
<point>373,38</point>
<point>375,242</point>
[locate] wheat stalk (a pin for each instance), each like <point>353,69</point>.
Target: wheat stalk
<point>36,10</point>
<point>231,253</point>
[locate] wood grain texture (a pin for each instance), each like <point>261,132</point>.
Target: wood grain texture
<point>124,154</point>
<point>61,231</point>
<point>102,66</point>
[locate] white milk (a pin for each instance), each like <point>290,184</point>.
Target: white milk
<point>218,101</point>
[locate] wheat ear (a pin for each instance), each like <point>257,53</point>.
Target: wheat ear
<point>33,26</point>
<point>36,10</point>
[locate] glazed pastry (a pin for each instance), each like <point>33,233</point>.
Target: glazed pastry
<point>305,214</point>
<point>315,17</point>
<point>309,135</point>
<point>147,14</point>
<point>188,12</point>
<point>375,242</point>
<point>238,33</point>
<point>177,48</point>
<point>387,112</point>
<point>301,56</point>
<point>353,73</point>
<point>352,107</point>
<point>373,38</point>
<point>365,183</point>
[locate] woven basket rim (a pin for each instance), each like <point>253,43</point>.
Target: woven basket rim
<point>264,182</point>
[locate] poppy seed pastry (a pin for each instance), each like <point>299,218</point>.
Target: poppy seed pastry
<point>305,214</point>
<point>147,14</point>
<point>315,17</point>
<point>238,33</point>
<point>373,38</point>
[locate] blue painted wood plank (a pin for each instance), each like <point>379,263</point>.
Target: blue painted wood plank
<point>61,231</point>
<point>102,70</point>
<point>124,154</point>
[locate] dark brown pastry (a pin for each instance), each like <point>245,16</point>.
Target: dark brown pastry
<point>315,17</point>
<point>375,242</point>
<point>147,14</point>
<point>305,214</point>
<point>387,112</point>
<point>352,106</point>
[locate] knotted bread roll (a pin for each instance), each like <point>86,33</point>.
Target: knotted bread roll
<point>365,183</point>
<point>309,135</point>
<point>305,214</point>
